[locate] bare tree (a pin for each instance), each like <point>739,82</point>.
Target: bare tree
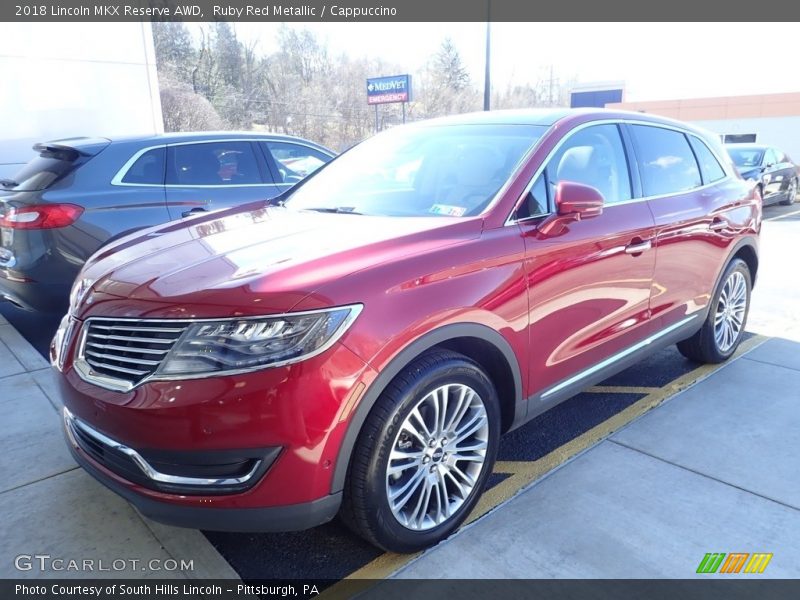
<point>185,110</point>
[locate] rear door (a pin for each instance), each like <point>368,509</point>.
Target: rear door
<point>696,217</point>
<point>589,284</point>
<point>215,174</point>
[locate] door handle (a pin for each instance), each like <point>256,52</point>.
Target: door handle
<point>718,225</point>
<point>638,247</point>
<point>193,211</point>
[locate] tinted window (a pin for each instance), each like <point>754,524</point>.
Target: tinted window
<point>215,163</point>
<point>593,156</point>
<point>709,165</point>
<point>666,162</point>
<point>148,168</point>
<point>412,171</point>
<point>535,202</point>
<point>295,161</point>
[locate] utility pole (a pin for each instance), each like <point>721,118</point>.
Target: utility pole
<point>487,78</point>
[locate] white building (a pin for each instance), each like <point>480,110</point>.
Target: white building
<point>74,79</point>
<point>771,119</point>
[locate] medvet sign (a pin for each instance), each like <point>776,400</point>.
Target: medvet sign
<point>384,90</point>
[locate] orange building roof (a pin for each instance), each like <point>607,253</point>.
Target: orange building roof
<point>724,107</point>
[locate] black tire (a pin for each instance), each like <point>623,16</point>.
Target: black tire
<point>365,508</point>
<point>703,346</point>
<point>791,193</point>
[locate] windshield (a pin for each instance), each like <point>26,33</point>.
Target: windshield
<point>746,157</point>
<point>446,170</point>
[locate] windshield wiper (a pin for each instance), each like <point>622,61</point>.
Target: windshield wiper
<point>344,210</point>
<point>8,183</point>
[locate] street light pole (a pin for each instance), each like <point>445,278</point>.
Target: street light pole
<point>487,78</point>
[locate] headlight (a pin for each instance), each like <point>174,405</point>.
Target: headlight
<point>78,292</point>
<point>247,344</point>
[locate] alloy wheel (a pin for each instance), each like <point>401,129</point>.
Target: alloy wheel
<point>729,318</point>
<point>437,457</point>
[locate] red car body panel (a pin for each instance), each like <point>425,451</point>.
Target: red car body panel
<point>561,303</point>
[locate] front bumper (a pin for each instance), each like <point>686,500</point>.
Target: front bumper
<point>295,517</point>
<point>292,418</point>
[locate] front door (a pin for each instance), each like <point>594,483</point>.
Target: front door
<point>589,283</point>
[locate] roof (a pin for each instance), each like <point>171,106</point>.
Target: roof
<point>174,138</point>
<point>529,116</point>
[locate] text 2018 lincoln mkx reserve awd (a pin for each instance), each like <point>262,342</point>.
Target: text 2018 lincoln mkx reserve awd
<point>358,346</point>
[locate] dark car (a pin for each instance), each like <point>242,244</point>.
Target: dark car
<point>360,347</point>
<point>78,194</point>
<point>775,173</point>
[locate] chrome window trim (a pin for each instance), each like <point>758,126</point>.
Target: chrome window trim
<point>71,421</point>
<point>88,374</point>
<point>725,166</point>
<point>616,357</point>
<point>120,175</point>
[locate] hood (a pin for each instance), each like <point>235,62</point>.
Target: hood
<point>246,262</point>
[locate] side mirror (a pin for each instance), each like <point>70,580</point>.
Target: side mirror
<point>574,202</point>
<point>578,200</point>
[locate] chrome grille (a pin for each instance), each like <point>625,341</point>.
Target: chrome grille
<point>126,350</point>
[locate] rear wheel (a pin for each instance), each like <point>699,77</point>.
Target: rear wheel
<point>724,327</point>
<point>424,454</point>
<point>791,193</point>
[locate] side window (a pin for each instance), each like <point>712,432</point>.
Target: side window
<point>594,156</point>
<point>710,168</point>
<point>295,161</point>
<point>535,203</point>
<point>148,168</point>
<point>214,163</point>
<point>666,162</point>
<point>772,157</point>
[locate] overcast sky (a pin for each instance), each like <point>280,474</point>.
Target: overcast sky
<point>656,60</point>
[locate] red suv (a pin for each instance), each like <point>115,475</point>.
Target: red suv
<point>359,346</point>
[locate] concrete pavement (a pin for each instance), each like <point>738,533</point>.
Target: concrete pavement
<point>52,509</point>
<point>714,469</point>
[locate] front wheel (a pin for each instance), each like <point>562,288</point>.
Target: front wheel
<point>723,329</point>
<point>791,193</point>
<point>424,454</point>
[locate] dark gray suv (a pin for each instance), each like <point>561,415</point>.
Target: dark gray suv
<point>78,194</point>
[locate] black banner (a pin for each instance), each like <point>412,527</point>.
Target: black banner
<point>396,10</point>
<point>715,587</point>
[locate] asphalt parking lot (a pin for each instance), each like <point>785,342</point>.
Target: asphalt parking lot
<point>331,552</point>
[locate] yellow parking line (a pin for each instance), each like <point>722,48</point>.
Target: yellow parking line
<point>524,472</point>
<point>621,389</point>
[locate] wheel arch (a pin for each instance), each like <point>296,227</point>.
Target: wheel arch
<point>478,342</point>
<point>747,250</point>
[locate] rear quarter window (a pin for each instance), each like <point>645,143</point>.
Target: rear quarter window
<point>148,168</point>
<point>666,162</point>
<point>710,168</point>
